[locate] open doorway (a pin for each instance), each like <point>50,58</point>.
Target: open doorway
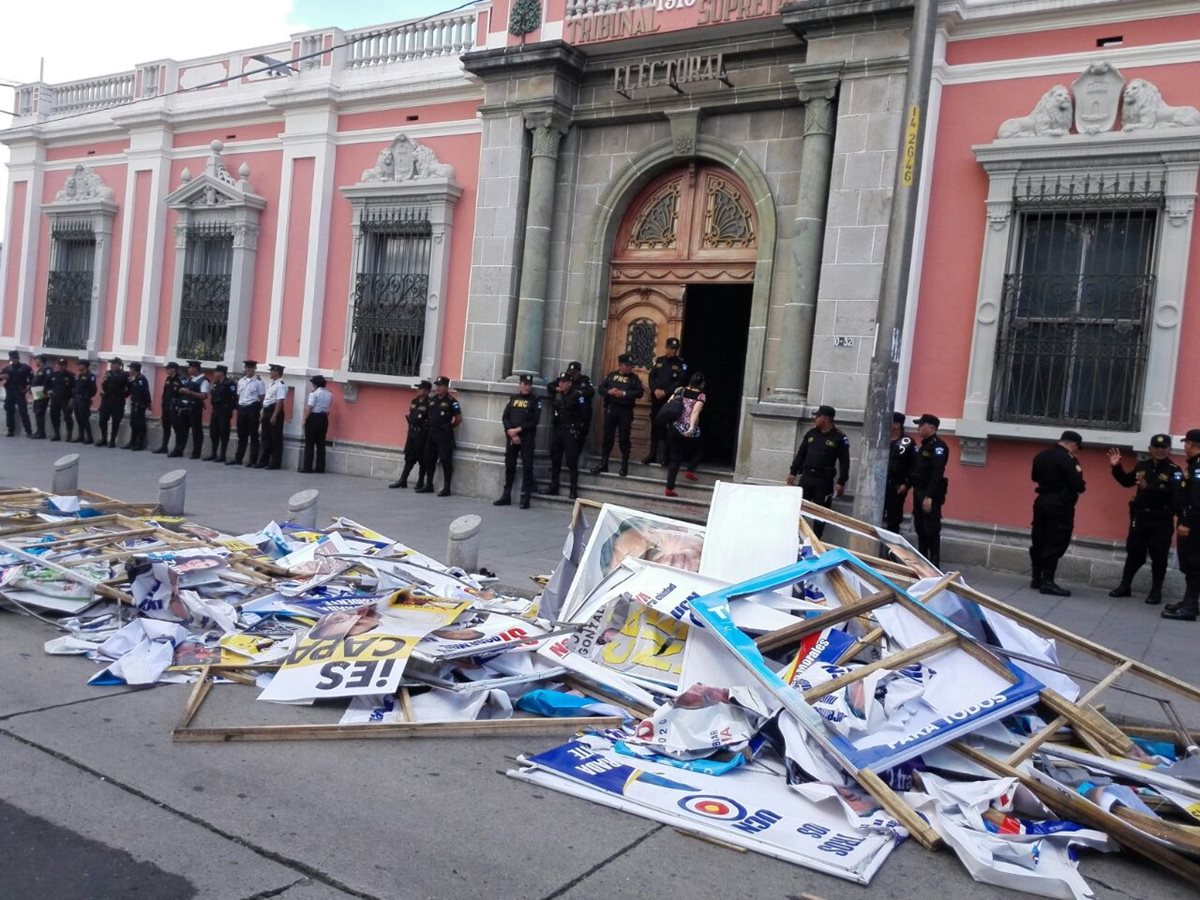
<point>716,326</point>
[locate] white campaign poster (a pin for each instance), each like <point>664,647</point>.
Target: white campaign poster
<point>751,529</point>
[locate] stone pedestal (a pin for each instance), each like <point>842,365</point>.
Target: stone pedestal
<point>462,544</point>
<point>302,508</point>
<point>66,474</point>
<point>171,490</point>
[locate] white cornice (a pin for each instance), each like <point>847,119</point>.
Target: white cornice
<point>972,19</point>
<point>1183,52</point>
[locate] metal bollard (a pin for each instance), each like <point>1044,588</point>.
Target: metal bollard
<point>171,490</point>
<point>66,474</point>
<point>302,508</point>
<point>462,546</point>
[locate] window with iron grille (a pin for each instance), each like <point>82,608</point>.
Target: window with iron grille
<point>1074,331</point>
<point>69,285</point>
<point>391,289</point>
<point>204,301</point>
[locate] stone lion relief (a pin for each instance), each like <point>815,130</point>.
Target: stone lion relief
<point>406,160</point>
<point>1051,117</point>
<point>83,185</point>
<point>1142,106</point>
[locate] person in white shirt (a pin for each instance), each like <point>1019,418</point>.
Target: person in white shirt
<point>316,425</point>
<point>250,391</point>
<point>273,414</point>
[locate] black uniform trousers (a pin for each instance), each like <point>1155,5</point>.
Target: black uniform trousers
<point>247,433</point>
<point>618,422</point>
<point>196,422</point>
<point>659,434</point>
<point>524,450</point>
<point>15,404</point>
<point>414,454</point>
<point>893,507</point>
<point>61,414</point>
<point>1188,549</point>
<point>271,440</point>
<point>182,423</point>
<point>137,427</point>
<point>39,414</point>
<point>439,448</point>
<point>681,450</point>
<point>928,525</point>
<point>218,431</point>
<point>818,488</point>
<point>1149,534</point>
<point>111,412</point>
<point>316,426</point>
<point>1050,536</point>
<point>166,420</point>
<point>565,444</point>
<point>82,408</point>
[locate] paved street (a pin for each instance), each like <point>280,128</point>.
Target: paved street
<point>97,802</point>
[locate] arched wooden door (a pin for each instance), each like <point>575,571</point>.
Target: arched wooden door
<point>694,225</point>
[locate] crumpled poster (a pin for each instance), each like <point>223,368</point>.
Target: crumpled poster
<point>141,652</point>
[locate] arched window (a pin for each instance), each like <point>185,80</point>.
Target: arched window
<point>640,342</point>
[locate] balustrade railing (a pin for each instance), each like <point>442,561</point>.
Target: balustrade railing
<point>94,93</point>
<point>446,36</point>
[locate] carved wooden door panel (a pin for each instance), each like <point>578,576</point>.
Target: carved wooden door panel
<point>640,319</point>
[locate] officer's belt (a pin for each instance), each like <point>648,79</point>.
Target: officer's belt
<point>820,473</point>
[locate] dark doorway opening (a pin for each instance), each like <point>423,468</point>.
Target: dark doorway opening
<point>716,326</point>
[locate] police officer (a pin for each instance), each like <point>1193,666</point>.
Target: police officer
<point>566,441</point>
<point>1188,533</point>
<point>1059,479</point>
<point>166,406</point>
<point>17,377</point>
<point>274,412</point>
<point>928,481</point>
<point>195,389</point>
<point>315,425</point>
<point>587,391</point>
<point>821,449</point>
<point>444,416</point>
<point>114,388</point>
<point>222,398</point>
<point>520,421</point>
<point>41,393</point>
<point>250,391</point>
<point>900,462</point>
<point>139,403</point>
<point>414,443</point>
<point>621,390</point>
<point>61,382</point>
<point>668,373</point>
<point>82,392</point>
<point>1151,514</point>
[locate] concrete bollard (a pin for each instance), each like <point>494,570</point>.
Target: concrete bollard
<point>66,474</point>
<point>462,546</point>
<point>171,490</point>
<point>302,508</point>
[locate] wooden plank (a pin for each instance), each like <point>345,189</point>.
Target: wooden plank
<point>794,633</point>
<point>406,706</point>
<point>57,526</point>
<point>860,645</point>
<point>1090,722</point>
<point>894,661</point>
<point>482,728</point>
<point>916,826</point>
<point>196,697</point>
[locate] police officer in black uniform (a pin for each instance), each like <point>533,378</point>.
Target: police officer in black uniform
<point>62,379</point>
<point>928,481</point>
<point>139,404</point>
<point>82,392</point>
<point>621,390</point>
<point>520,421</point>
<point>1151,514</point>
<point>900,462</point>
<point>190,401</point>
<point>1188,533</point>
<point>444,416</point>
<point>821,449</point>
<point>17,377</point>
<point>166,405</point>
<point>418,431</point>
<point>566,441</point>
<point>587,390</point>
<point>668,373</point>
<point>222,398</point>
<point>41,393</point>
<point>1059,479</point>
<point>114,388</point>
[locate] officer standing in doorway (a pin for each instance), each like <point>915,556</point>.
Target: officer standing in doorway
<point>928,482</point>
<point>621,390</point>
<point>1059,479</point>
<point>1151,514</point>
<point>414,443</point>
<point>520,421</point>
<point>900,462</point>
<point>17,377</point>
<point>822,448</point>
<point>114,389</point>
<point>82,392</point>
<point>250,391</point>
<point>566,440</point>
<point>166,404</point>
<point>222,397</point>
<point>273,413</point>
<point>668,373</point>
<point>61,382</point>
<point>42,374</point>
<point>1188,534</point>
<point>139,403</point>
<point>445,415</point>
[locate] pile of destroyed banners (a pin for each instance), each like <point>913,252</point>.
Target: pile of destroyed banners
<point>742,681</point>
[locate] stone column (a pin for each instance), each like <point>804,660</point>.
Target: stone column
<point>800,309</point>
<point>535,260</point>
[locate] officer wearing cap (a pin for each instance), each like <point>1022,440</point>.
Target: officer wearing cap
<point>1151,514</point>
<point>668,373</point>
<point>822,448</point>
<point>190,401</point>
<point>82,392</point>
<point>166,404</point>
<point>414,443</point>
<point>520,421</point>
<point>42,373</point>
<point>1059,479</point>
<point>587,391</point>
<point>273,413</point>
<point>250,392</point>
<point>139,403</point>
<point>222,397</point>
<point>17,377</point>
<point>928,482</point>
<point>114,389</point>
<point>566,440</point>
<point>62,379</point>
<point>315,425</point>
<point>444,416</point>
<point>621,390</point>
<point>900,461</point>
<point>1188,533</point>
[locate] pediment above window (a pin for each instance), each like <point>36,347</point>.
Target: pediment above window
<point>85,194</point>
<point>215,187</point>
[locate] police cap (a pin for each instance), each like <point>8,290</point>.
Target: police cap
<point>625,360</point>
<point>43,357</point>
<point>250,364</point>
<point>116,361</point>
<point>423,385</point>
<point>276,367</point>
<point>222,368</point>
<point>172,365</point>
<point>13,354</point>
<point>193,363</point>
<point>317,381</point>
<point>1159,441</point>
<point>525,379</point>
<point>1070,435</point>
<point>897,418</point>
<point>928,419</point>
<point>575,366</point>
<point>672,343</point>
<point>1193,436</point>
<point>62,360</point>
<point>442,381</point>
<point>136,366</point>
<point>825,410</point>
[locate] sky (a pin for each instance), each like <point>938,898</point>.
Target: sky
<point>85,38</point>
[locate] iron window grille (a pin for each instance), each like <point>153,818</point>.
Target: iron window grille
<point>204,301</point>
<point>391,290</point>
<point>69,285</point>
<point>640,341</point>
<point>1078,294</point>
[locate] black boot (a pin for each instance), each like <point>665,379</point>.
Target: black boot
<point>1186,610</point>
<point>1124,589</point>
<point>624,466</point>
<point>1156,585</point>
<point>1048,585</point>
<point>603,467</point>
<point>549,491</point>
<point>505,499</point>
<point>445,491</point>
<point>574,492</point>
<point>524,504</point>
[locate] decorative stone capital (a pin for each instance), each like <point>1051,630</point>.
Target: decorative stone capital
<point>181,234</point>
<point>818,116</point>
<point>545,141</point>
<point>245,236</point>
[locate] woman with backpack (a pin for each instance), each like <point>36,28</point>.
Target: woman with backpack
<point>683,434</point>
